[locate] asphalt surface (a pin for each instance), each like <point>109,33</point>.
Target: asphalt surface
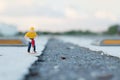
<point>66,61</point>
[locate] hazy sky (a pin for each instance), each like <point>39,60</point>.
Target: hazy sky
<point>60,15</point>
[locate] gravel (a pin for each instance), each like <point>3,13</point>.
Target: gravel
<point>66,61</point>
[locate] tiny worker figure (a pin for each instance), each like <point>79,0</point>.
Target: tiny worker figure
<point>30,37</point>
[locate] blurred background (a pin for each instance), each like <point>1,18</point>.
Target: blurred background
<point>69,17</point>
<point>86,23</point>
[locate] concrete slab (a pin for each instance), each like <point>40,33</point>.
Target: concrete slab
<point>61,62</point>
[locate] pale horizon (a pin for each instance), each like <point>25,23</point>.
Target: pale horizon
<point>60,15</point>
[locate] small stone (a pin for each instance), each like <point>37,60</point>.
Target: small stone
<point>104,77</point>
<point>94,74</point>
<point>112,67</point>
<point>33,71</point>
<point>40,60</point>
<point>81,78</point>
<point>63,58</point>
<point>34,74</point>
<point>102,53</point>
<point>56,67</point>
<point>70,47</point>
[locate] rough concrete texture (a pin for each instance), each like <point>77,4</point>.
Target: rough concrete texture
<point>66,61</point>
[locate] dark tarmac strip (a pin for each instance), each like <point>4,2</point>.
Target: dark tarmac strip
<point>66,61</point>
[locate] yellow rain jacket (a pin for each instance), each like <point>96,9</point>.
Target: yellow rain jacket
<point>31,35</point>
